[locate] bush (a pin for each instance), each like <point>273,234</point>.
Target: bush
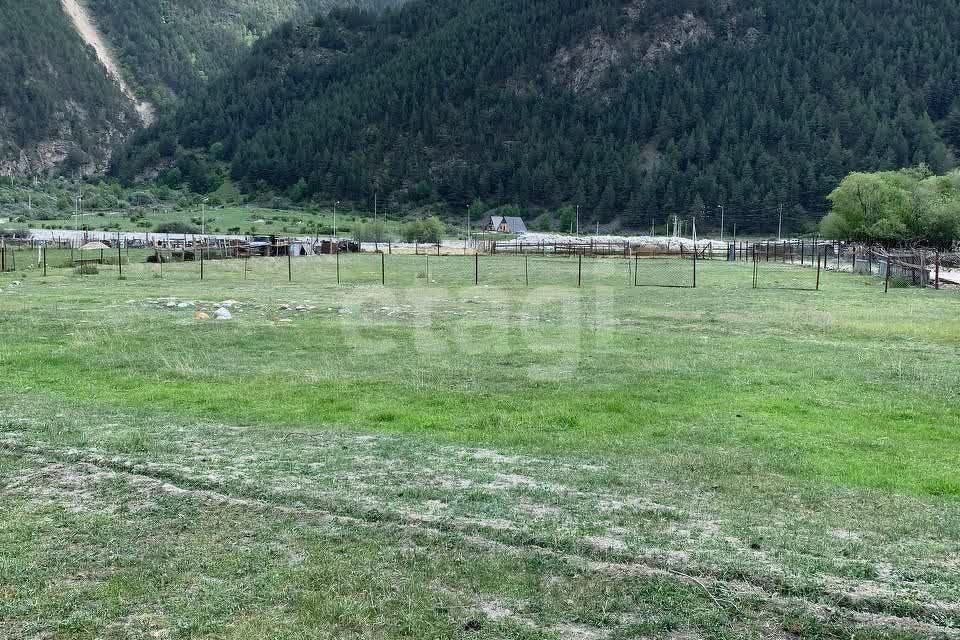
<point>177,227</point>
<point>427,231</point>
<point>371,232</point>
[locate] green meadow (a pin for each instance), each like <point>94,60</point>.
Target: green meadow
<point>518,458</point>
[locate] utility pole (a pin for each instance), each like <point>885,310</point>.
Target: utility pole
<point>578,220</point>
<point>80,207</point>
<point>203,217</point>
<point>722,211</point>
<point>335,219</point>
<point>780,223</point>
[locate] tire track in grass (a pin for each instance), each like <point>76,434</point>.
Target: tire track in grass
<point>729,596</point>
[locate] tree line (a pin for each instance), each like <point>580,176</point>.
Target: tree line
<point>912,207</point>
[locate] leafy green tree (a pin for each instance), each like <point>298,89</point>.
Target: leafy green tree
<point>910,206</point>
<point>430,230</point>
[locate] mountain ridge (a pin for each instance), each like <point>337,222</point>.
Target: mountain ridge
<point>661,108</point>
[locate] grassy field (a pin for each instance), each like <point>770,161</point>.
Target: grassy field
<point>245,220</point>
<point>434,459</point>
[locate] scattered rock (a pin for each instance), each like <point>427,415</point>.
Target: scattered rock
<point>171,305</point>
<point>183,305</point>
<point>222,314</point>
<point>226,304</point>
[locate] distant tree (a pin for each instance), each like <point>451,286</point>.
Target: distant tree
<point>371,231</point>
<point>430,230</point>
<point>177,227</point>
<point>896,207</point>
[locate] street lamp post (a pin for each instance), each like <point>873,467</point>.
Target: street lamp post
<point>80,211</point>
<point>203,217</point>
<point>721,221</point>
<point>335,219</point>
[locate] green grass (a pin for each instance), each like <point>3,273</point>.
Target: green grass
<point>250,220</point>
<point>436,459</point>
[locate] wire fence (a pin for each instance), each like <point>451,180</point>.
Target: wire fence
<point>795,265</point>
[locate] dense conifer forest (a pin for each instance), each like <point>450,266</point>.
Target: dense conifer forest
<point>51,85</point>
<point>630,110</point>
<point>55,93</point>
<point>170,48</point>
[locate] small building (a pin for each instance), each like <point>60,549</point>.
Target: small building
<point>505,224</point>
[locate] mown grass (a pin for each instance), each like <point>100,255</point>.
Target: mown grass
<point>434,459</point>
<point>844,384</point>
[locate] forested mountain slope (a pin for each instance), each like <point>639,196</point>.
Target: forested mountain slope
<point>631,109</point>
<point>170,47</point>
<point>58,102</point>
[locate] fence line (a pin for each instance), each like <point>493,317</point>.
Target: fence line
<point>796,264</point>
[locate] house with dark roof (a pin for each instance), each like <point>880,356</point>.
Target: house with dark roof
<point>505,224</point>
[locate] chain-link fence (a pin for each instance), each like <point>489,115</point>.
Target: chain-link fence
<point>664,271</point>
<point>794,265</point>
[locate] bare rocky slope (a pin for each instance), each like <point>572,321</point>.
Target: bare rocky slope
<point>83,23</point>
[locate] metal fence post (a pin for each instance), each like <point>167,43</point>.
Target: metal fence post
<point>886,281</point>
<point>201,259</point>
<point>526,270</point>
<point>694,266</point>
<point>44,261</point>
<point>338,265</point>
<point>936,280</point>
<point>818,271</point>
<point>289,264</point>
<point>383,269</point>
<point>119,259</point>
<point>579,269</point>
<point>636,266</point>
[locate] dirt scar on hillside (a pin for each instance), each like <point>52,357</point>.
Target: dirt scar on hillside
<point>85,27</point>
